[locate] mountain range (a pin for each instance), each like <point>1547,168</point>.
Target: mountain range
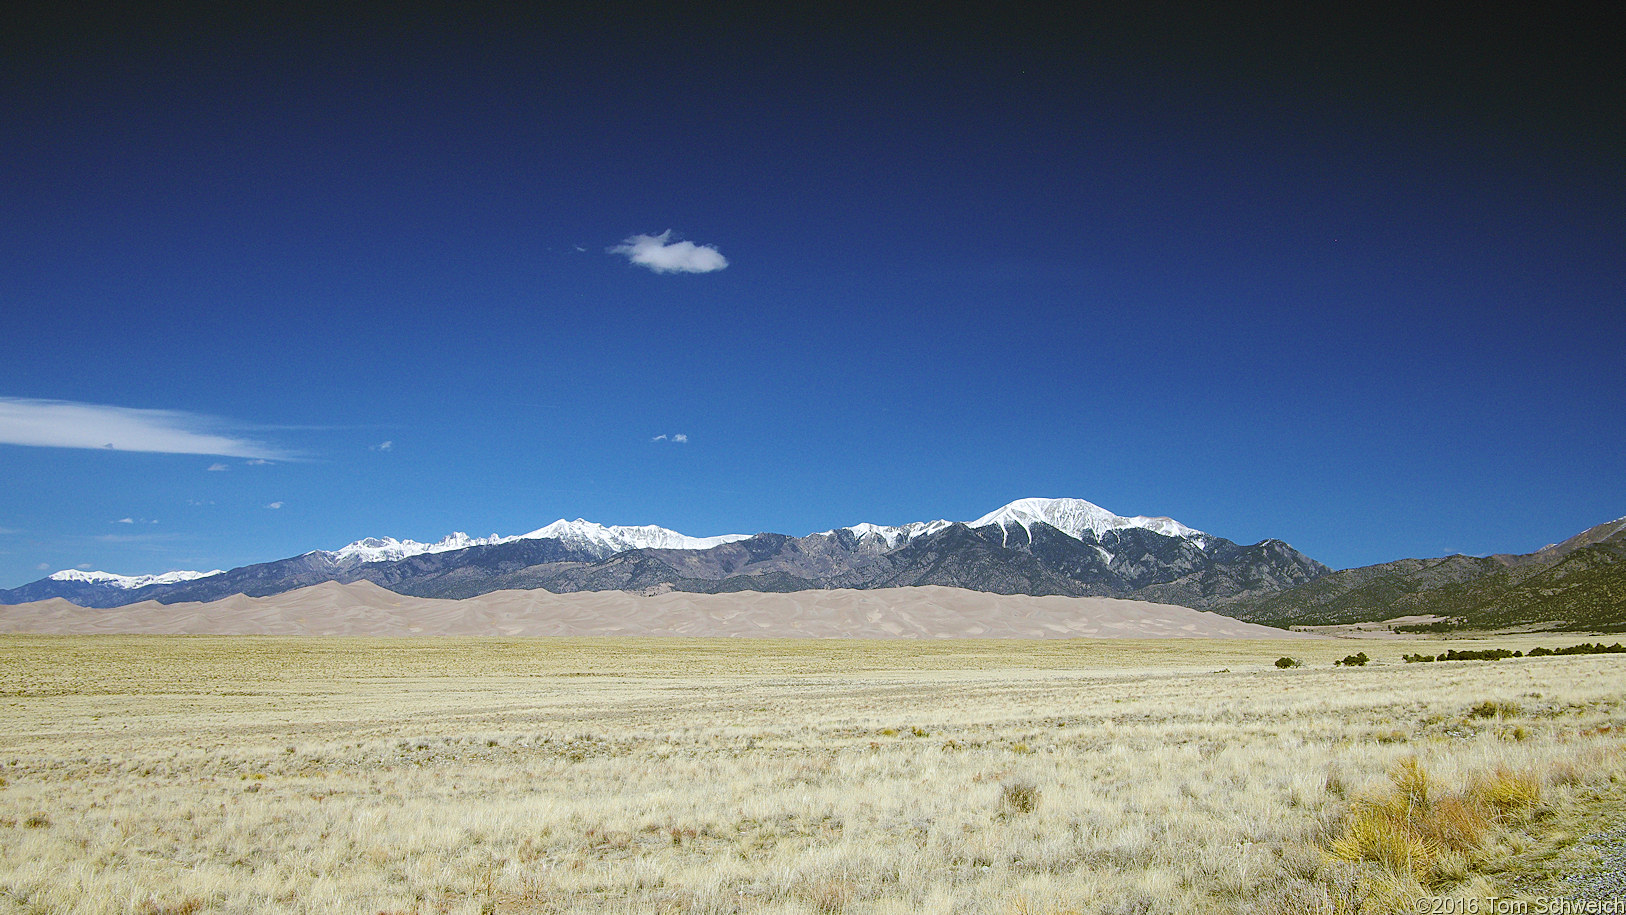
<point>1579,584</point>
<point>1038,547</point>
<point>1031,546</point>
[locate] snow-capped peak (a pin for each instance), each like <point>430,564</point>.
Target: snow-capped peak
<point>610,539</point>
<point>129,581</point>
<point>1075,516</point>
<point>386,549</point>
<point>1070,516</point>
<point>601,540</point>
<point>892,534</point>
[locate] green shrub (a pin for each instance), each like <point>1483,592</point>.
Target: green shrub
<point>1285,663</point>
<point>1488,654</point>
<point>1585,648</point>
<point>1439,626</point>
<point>1354,660</point>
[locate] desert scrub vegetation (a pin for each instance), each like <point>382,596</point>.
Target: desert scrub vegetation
<point>1412,838</point>
<point>354,776</point>
<point>1497,654</point>
<point>1510,839</point>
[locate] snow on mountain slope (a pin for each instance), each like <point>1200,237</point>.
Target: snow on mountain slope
<point>599,539</point>
<point>129,581</point>
<point>610,539</point>
<point>386,549</point>
<point>1075,516</point>
<point>1070,516</point>
<point>891,535</point>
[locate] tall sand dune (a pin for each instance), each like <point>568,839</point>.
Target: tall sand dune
<point>364,608</point>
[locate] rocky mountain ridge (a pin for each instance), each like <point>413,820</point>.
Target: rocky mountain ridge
<point>1579,584</point>
<point>1031,546</point>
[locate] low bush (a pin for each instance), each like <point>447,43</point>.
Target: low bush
<point>1019,797</point>
<point>1436,627</point>
<point>1494,709</point>
<point>1487,654</point>
<point>1285,663</point>
<point>1583,648</point>
<point>1496,654</point>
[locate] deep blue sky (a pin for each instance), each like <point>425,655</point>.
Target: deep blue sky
<point>1356,283</point>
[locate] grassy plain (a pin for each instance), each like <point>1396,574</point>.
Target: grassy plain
<point>187,775</point>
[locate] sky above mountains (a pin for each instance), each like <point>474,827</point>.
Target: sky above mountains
<point>1354,282</point>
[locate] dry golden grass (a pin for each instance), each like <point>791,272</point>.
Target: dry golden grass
<point>160,774</point>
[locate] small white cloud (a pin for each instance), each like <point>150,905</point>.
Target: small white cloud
<point>676,438</point>
<point>123,521</point>
<point>274,505</point>
<point>66,424</point>
<point>658,438</point>
<point>257,462</point>
<point>663,256</point>
<point>218,467</point>
<point>680,438</point>
<point>83,567</point>
<point>381,446</point>
<point>43,567</point>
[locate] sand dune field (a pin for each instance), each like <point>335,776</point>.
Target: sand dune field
<point>363,608</point>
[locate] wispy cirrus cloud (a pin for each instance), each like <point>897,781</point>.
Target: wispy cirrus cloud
<point>679,438</point>
<point>660,254</point>
<point>69,424</point>
<point>135,538</point>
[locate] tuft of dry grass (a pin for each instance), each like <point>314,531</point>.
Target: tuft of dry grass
<point>1509,794</point>
<point>1019,797</point>
<point>1411,836</point>
<point>187,906</point>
